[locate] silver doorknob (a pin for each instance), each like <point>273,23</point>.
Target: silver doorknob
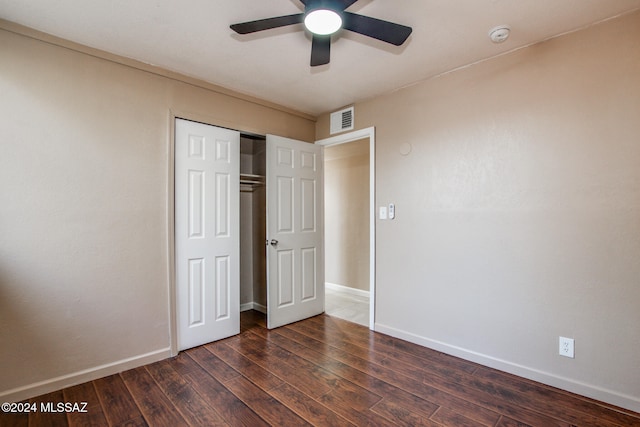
<point>273,242</point>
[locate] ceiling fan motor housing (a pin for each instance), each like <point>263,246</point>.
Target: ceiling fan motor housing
<point>323,17</point>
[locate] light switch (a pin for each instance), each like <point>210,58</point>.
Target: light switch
<point>392,211</point>
<point>383,212</point>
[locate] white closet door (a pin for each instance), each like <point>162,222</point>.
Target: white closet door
<point>207,235</point>
<point>295,231</point>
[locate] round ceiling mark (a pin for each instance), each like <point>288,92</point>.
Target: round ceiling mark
<point>405,148</point>
<point>499,34</point>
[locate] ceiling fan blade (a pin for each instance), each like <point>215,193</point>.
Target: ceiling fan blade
<point>342,3</point>
<point>320,50</point>
<point>267,24</point>
<point>385,31</point>
<point>346,3</point>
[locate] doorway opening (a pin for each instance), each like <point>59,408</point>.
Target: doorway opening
<point>253,223</point>
<point>349,163</point>
<point>346,231</point>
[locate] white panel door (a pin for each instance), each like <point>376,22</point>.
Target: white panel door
<point>207,235</point>
<point>295,235</point>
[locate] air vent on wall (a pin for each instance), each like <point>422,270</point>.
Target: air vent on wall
<point>342,120</point>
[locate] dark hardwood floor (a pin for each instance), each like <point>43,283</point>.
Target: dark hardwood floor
<point>322,371</point>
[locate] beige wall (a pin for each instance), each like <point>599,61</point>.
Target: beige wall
<point>346,207</point>
<point>518,210</point>
<point>85,207</point>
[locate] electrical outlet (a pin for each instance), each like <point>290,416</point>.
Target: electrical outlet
<point>566,347</point>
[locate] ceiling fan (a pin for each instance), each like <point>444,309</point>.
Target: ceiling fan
<point>324,18</point>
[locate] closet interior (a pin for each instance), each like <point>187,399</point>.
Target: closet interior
<point>253,262</point>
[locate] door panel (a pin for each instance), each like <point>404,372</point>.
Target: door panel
<point>207,235</point>
<point>196,291</point>
<point>309,273</point>
<point>295,221</point>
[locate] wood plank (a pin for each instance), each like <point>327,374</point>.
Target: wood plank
<point>392,395</point>
<point>307,408</point>
<point>212,364</point>
<point>461,407</point>
<point>14,419</point>
<point>136,422</point>
<point>270,409</point>
<point>385,376</point>
<point>352,395</point>
<point>365,337</point>
<point>592,408</point>
<point>401,415</point>
<point>194,409</point>
<point>373,352</point>
<point>256,373</point>
<point>471,393</point>
<point>117,403</point>
<point>388,347</point>
<point>334,344</point>
<point>467,389</point>
<point>416,405</point>
<point>184,364</point>
<point>153,403</point>
<point>85,393</point>
<point>320,352</point>
<point>348,402</point>
<point>49,419</point>
<point>575,409</point>
<point>509,422</point>
<point>232,409</point>
<point>460,377</point>
<point>307,377</point>
<point>252,318</point>
<point>447,417</point>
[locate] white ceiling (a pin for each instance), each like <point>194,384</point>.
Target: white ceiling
<point>193,38</point>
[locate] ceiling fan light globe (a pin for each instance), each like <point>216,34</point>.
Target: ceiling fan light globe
<point>323,21</point>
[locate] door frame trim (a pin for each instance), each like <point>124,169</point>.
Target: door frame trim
<point>367,133</point>
<point>171,227</point>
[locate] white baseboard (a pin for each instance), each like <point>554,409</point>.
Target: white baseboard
<point>64,381</point>
<point>588,390</point>
<point>346,289</point>
<point>253,306</point>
